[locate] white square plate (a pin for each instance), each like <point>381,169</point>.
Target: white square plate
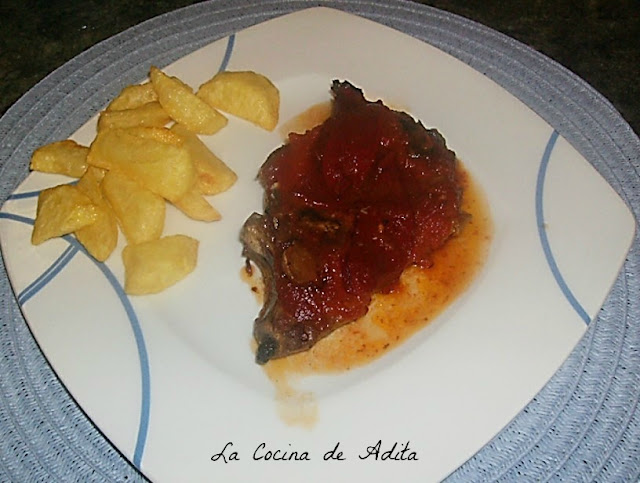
<point>170,379</point>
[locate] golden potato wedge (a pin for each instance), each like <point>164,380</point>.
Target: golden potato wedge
<point>89,184</point>
<point>244,94</point>
<point>140,212</point>
<point>163,168</point>
<point>61,157</point>
<point>153,266</point>
<point>195,206</point>
<point>213,176</point>
<point>101,237</point>
<point>61,210</point>
<point>133,96</point>
<point>149,114</point>
<point>160,134</point>
<point>184,106</point>
<point>92,174</point>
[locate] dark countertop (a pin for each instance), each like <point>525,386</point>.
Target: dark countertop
<point>597,39</point>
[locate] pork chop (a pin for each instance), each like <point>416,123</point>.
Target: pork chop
<point>348,206</point>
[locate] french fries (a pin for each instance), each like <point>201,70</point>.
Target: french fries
<point>62,157</point>
<point>163,168</point>
<point>153,266</point>
<point>139,211</point>
<point>149,114</point>
<point>101,237</point>
<point>133,96</point>
<point>244,94</point>
<point>61,210</point>
<point>161,135</point>
<point>213,176</point>
<point>184,106</point>
<point>195,206</point>
<point>136,164</point>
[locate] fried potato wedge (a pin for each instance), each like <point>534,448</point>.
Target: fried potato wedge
<point>149,114</point>
<point>61,157</point>
<point>101,237</point>
<point>160,134</point>
<point>213,176</point>
<point>184,106</point>
<point>163,168</point>
<point>153,266</point>
<point>195,206</point>
<point>245,94</point>
<point>136,164</point>
<point>133,96</point>
<point>140,212</point>
<point>61,210</point>
<point>89,184</point>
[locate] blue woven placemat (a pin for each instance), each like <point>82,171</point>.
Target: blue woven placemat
<point>583,426</point>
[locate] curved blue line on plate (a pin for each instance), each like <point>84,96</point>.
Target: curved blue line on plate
<point>48,275</point>
<point>143,427</point>
<point>542,172</point>
<point>31,194</point>
<point>21,219</point>
<point>227,53</point>
<point>63,260</point>
<point>26,194</point>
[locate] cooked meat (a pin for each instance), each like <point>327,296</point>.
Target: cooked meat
<point>348,206</point>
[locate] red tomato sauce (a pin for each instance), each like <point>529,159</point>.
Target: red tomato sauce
<point>354,202</point>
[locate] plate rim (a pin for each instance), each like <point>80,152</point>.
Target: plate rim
<point>568,126</point>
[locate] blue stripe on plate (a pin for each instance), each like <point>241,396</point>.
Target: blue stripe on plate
<point>22,196</point>
<point>21,219</point>
<point>227,54</point>
<point>48,275</point>
<point>56,267</point>
<point>32,194</point>
<point>542,172</point>
<point>63,260</point>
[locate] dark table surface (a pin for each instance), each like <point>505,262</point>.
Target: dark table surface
<point>599,40</point>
